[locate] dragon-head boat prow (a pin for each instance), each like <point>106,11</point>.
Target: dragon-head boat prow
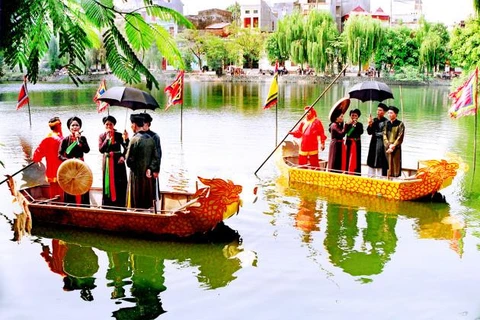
<point>441,172</point>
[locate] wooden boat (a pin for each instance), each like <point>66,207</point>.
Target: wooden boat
<point>180,214</point>
<point>430,177</point>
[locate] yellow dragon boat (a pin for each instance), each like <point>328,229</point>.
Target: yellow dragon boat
<point>430,177</point>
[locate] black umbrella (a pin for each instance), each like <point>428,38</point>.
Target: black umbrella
<point>128,97</point>
<point>370,91</point>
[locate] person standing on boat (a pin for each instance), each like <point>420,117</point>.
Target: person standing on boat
<point>110,144</point>
<point>74,146</point>
<point>337,159</point>
<point>311,133</point>
<point>147,118</point>
<point>393,134</point>
<point>142,160</point>
<point>48,149</point>
<point>376,159</point>
<point>354,130</point>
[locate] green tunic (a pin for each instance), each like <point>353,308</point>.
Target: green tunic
<point>393,133</point>
<point>141,155</point>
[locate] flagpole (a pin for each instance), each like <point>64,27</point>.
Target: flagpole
<point>181,122</point>
<point>276,123</point>
<point>303,116</point>
<point>28,102</point>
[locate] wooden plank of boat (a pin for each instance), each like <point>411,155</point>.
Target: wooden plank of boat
<point>182,214</point>
<point>413,184</point>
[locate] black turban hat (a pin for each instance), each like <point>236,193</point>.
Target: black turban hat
<point>69,121</point>
<point>383,106</point>
<point>109,118</point>
<point>138,119</point>
<point>394,109</point>
<point>356,111</point>
<point>146,117</point>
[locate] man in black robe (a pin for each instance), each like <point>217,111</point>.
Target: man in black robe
<point>142,159</point>
<point>376,160</point>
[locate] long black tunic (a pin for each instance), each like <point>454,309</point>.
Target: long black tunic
<point>376,150</point>
<point>336,152</point>
<point>141,155</point>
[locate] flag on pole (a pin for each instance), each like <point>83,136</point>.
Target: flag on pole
<point>272,97</point>
<point>465,98</point>
<point>175,91</point>
<point>23,94</point>
<point>101,105</point>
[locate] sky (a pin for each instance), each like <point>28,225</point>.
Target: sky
<point>448,12</point>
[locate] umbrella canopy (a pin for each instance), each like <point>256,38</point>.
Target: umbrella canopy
<point>370,91</point>
<point>341,106</point>
<point>128,97</point>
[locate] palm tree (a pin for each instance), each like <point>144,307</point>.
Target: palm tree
<point>28,25</point>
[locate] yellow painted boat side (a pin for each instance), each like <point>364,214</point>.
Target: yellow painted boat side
<point>434,175</point>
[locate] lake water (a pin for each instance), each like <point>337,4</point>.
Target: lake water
<point>294,252</point>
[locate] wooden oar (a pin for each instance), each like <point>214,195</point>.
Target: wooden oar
<point>303,116</point>
<point>12,175</point>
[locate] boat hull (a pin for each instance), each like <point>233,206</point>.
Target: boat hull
<point>179,214</point>
<point>427,180</point>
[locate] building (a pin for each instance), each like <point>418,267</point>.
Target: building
<point>258,16</point>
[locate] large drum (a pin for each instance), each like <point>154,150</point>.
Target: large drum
<point>74,177</point>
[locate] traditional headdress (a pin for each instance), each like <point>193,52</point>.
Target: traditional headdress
<point>69,121</point>
<point>109,118</point>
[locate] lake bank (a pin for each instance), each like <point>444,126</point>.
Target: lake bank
<point>252,75</point>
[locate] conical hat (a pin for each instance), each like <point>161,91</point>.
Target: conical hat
<point>341,106</point>
<point>74,177</point>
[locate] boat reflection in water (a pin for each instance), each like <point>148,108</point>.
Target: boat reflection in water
<point>359,230</point>
<point>135,270</point>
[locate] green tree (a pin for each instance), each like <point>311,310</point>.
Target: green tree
<point>236,11</point>
<point>399,48</point>
<point>321,32</point>
<point>28,25</point>
<point>53,59</point>
<point>251,42</point>
<point>291,38</point>
<point>363,38</point>
<point>193,41</point>
<point>465,45</point>
<point>216,53</point>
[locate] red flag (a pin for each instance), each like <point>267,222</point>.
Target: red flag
<point>23,94</point>
<point>101,105</point>
<point>465,98</point>
<point>175,91</point>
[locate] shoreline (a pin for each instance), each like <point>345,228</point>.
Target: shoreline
<point>250,76</point>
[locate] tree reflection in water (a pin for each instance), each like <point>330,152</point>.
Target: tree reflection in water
<point>360,233</point>
<point>136,266</point>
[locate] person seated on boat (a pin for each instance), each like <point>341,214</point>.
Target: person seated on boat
<point>337,160</point>
<point>311,133</point>
<point>48,149</point>
<point>74,146</point>
<point>142,160</point>
<point>113,147</point>
<point>354,130</point>
<point>376,159</point>
<point>393,135</point>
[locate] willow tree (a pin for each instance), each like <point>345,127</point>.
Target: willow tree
<point>28,25</point>
<point>363,38</point>
<point>291,38</point>
<point>321,32</point>
<point>476,6</point>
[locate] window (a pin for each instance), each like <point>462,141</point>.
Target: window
<point>247,11</point>
<point>255,11</point>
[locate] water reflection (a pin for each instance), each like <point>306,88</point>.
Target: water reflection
<point>135,270</point>
<point>360,231</point>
